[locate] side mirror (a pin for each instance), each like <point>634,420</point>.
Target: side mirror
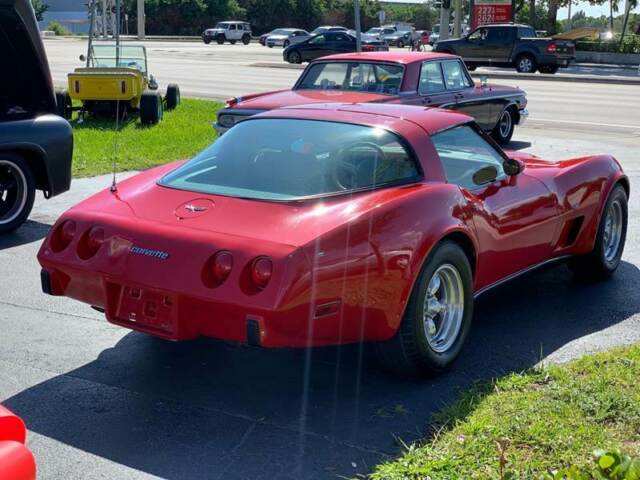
<point>82,58</point>
<point>513,166</point>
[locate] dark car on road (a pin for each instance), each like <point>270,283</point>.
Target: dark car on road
<point>35,145</point>
<point>412,78</point>
<point>510,45</point>
<point>329,43</point>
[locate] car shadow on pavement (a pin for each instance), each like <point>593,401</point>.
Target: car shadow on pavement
<point>517,145</point>
<point>205,409</point>
<point>30,231</point>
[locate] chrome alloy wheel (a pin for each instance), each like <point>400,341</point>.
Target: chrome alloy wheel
<point>13,191</point>
<point>612,231</point>
<point>443,308</point>
<point>505,124</point>
<point>525,64</point>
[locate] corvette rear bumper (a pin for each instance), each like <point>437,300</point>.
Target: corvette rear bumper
<point>177,316</point>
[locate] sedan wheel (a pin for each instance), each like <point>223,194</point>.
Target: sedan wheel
<point>503,131</point>
<point>294,57</point>
<point>437,317</point>
<point>17,192</point>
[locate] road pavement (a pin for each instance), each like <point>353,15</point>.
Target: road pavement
<point>223,71</point>
<point>102,402</point>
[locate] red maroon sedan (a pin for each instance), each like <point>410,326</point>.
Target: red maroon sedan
<point>410,78</point>
<point>335,224</point>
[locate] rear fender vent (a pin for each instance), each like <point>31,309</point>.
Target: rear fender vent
<point>570,231</point>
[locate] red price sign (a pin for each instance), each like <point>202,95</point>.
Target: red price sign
<point>487,12</point>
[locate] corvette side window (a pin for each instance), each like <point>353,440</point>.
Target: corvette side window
<point>467,158</point>
<point>431,80</point>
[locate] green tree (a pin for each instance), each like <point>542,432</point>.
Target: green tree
<point>39,8</point>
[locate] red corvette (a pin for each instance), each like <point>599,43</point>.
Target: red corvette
<point>333,224</point>
<point>16,461</point>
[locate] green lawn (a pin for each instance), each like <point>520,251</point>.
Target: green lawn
<point>182,133</point>
<point>543,419</point>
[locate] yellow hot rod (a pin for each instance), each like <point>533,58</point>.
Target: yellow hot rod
<point>116,80</point>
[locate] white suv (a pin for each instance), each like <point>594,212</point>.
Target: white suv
<point>228,32</point>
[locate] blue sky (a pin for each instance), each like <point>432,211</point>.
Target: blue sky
<point>592,10</point>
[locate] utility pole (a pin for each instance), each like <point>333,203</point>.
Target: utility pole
<point>356,20</point>
<point>457,19</point>
<point>569,28</point>
<point>141,19</point>
<point>444,19</point>
<point>104,19</point>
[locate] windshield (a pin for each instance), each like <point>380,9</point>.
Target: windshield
<point>104,56</point>
<point>374,30</point>
<point>223,26</point>
<point>289,159</point>
<point>280,31</point>
<point>352,76</point>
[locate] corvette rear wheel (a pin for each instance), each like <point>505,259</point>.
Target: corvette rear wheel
<point>610,239</point>
<point>437,318</point>
<point>17,192</point>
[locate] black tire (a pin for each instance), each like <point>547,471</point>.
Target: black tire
<point>63,104</point>
<point>503,131</point>
<point>206,40</point>
<point>525,63</point>
<point>151,110</point>
<point>17,191</point>
<point>246,39</point>
<point>599,264</point>
<point>410,352</point>
<point>173,96</point>
<point>550,69</point>
<point>286,43</point>
<point>400,44</point>
<point>294,57</point>
<point>220,39</point>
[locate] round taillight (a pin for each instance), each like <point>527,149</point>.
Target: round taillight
<point>63,235</point>
<point>261,271</point>
<point>221,266</point>
<point>90,242</point>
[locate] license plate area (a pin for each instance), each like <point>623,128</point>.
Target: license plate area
<point>147,309</point>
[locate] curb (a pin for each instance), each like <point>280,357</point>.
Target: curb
<point>503,75</point>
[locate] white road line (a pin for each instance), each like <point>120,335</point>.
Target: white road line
<point>595,124</point>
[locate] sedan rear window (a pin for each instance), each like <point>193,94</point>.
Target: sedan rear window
<point>290,159</point>
<point>352,76</point>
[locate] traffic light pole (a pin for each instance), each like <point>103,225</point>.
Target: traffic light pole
<point>141,19</point>
<point>444,19</point>
<point>356,20</point>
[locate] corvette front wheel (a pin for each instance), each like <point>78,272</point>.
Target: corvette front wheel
<point>603,260</point>
<point>437,318</point>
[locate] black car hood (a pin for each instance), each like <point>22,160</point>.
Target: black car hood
<point>29,86</point>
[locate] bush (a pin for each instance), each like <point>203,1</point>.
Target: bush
<point>58,28</point>
<point>631,44</point>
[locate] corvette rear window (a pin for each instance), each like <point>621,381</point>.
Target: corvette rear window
<point>287,159</point>
<point>353,76</point>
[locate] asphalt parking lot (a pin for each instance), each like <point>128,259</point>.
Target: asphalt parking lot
<point>104,402</point>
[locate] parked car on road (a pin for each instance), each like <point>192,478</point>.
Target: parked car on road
<point>36,145</point>
<point>510,45</point>
<point>262,39</point>
<point>231,32</point>
<point>329,43</point>
<point>283,37</point>
<point>429,79</point>
<point>333,224</point>
<point>398,38</point>
<point>328,28</point>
